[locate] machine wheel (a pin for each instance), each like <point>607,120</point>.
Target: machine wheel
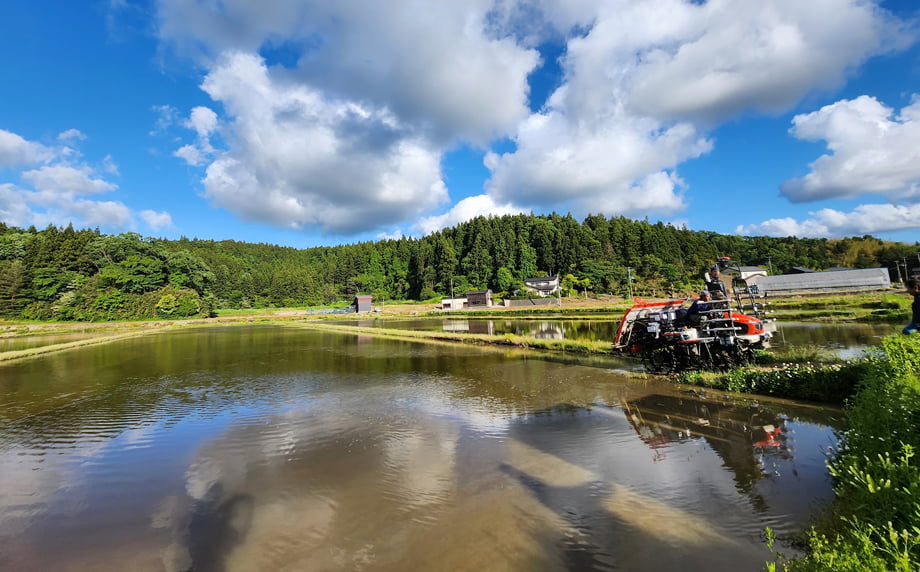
<point>660,360</point>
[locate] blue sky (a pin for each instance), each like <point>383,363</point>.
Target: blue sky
<point>307,122</point>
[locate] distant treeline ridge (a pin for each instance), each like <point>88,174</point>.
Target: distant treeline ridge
<point>67,274</point>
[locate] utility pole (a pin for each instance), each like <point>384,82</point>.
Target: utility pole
<point>629,281</point>
<point>770,262</point>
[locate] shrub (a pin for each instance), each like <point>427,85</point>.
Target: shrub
<point>827,383</point>
<point>180,303</point>
<point>37,311</point>
<point>876,471</point>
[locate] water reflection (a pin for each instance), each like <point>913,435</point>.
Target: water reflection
<point>846,339</point>
<point>469,326</point>
<point>544,329</point>
<point>15,343</point>
<point>602,328</point>
<point>264,448</point>
<point>218,524</point>
<point>547,331</point>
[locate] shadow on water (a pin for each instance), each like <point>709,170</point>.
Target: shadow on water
<point>579,552</point>
<point>216,526</point>
<point>612,515</point>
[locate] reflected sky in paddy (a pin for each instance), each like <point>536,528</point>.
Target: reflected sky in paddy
<point>242,448</point>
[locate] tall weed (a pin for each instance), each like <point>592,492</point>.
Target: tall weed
<point>877,471</point>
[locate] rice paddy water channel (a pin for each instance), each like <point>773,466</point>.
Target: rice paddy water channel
<point>279,448</point>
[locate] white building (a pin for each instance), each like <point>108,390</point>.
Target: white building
<point>453,303</point>
<point>542,285</point>
<point>835,280</point>
<point>744,272</point>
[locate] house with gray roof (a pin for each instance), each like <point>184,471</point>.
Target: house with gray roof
<point>542,285</point>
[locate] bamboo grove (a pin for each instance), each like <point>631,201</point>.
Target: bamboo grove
<point>66,274</point>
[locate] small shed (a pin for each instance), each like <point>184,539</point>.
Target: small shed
<point>453,303</point>
<point>362,303</point>
<point>744,272</point>
<point>479,298</point>
<point>542,285</point>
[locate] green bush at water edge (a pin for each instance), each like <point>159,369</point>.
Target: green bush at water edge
<point>876,473</point>
<point>827,383</point>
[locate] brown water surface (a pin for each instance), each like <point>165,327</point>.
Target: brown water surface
<point>272,448</point>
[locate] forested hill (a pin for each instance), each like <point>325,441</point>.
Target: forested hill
<point>67,274</point>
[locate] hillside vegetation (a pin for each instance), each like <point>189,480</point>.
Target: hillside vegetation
<point>84,275</point>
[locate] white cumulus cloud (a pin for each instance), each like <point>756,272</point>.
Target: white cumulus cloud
<point>646,80</point>
<point>16,151</point>
<point>202,120</point>
<point>191,154</point>
<point>864,219</point>
<point>338,114</point>
<point>109,214</point>
<point>618,166</point>
<point>437,66</point>
<point>14,206</point>
<point>61,190</point>
<point>156,220</point>
<point>300,158</point>
<point>466,209</point>
<point>872,151</point>
<point>71,134</point>
<point>67,179</point>
<point>711,60</point>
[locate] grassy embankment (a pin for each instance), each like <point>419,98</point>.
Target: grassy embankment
<point>889,306</point>
<point>50,348</point>
<point>874,522</point>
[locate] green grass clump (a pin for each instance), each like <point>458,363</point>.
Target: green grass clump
<point>797,354</point>
<point>826,383</point>
<point>886,315</point>
<point>873,307</point>
<point>876,473</point>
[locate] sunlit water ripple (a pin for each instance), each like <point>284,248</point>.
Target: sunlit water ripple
<point>269,448</point>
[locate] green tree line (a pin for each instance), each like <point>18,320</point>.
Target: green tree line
<point>66,274</point>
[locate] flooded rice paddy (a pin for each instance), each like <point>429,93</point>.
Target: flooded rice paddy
<point>15,343</point>
<point>274,448</point>
<point>846,340</point>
